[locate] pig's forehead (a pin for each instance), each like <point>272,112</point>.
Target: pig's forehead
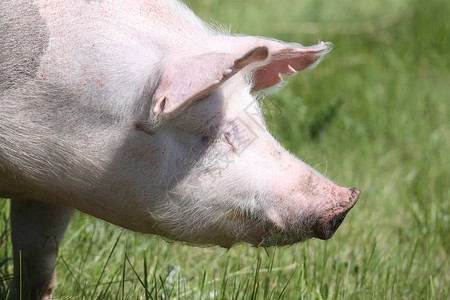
<point>236,92</point>
<point>230,101</point>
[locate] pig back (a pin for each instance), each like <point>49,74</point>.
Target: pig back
<point>23,41</point>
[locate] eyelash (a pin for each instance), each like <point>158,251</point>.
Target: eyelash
<point>220,139</point>
<point>224,137</point>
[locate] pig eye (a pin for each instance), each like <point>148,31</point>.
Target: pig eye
<point>220,136</point>
<point>221,139</point>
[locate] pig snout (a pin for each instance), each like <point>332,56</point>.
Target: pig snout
<point>319,218</point>
<point>327,224</point>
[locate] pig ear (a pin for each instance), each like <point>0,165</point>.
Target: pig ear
<point>191,78</point>
<point>287,59</point>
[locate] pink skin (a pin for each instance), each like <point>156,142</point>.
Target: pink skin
<point>137,113</point>
<point>256,192</point>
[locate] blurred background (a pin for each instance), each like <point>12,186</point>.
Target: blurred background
<point>374,114</point>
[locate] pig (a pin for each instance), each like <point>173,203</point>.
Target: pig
<point>140,114</point>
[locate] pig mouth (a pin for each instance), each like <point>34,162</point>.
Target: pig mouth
<point>264,232</point>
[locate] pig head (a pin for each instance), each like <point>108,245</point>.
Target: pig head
<point>138,113</point>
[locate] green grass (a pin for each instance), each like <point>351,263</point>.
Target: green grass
<point>374,114</point>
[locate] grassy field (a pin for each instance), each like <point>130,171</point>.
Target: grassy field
<point>374,114</point>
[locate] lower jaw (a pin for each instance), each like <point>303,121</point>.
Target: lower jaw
<point>279,239</point>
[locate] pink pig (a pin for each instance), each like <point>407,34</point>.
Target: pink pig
<point>138,113</point>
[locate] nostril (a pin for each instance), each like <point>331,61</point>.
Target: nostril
<point>355,193</point>
<point>336,221</point>
<point>327,225</point>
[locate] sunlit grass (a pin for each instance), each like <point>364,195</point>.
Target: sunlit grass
<point>374,114</point>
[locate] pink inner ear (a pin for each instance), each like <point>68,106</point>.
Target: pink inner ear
<point>287,60</point>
